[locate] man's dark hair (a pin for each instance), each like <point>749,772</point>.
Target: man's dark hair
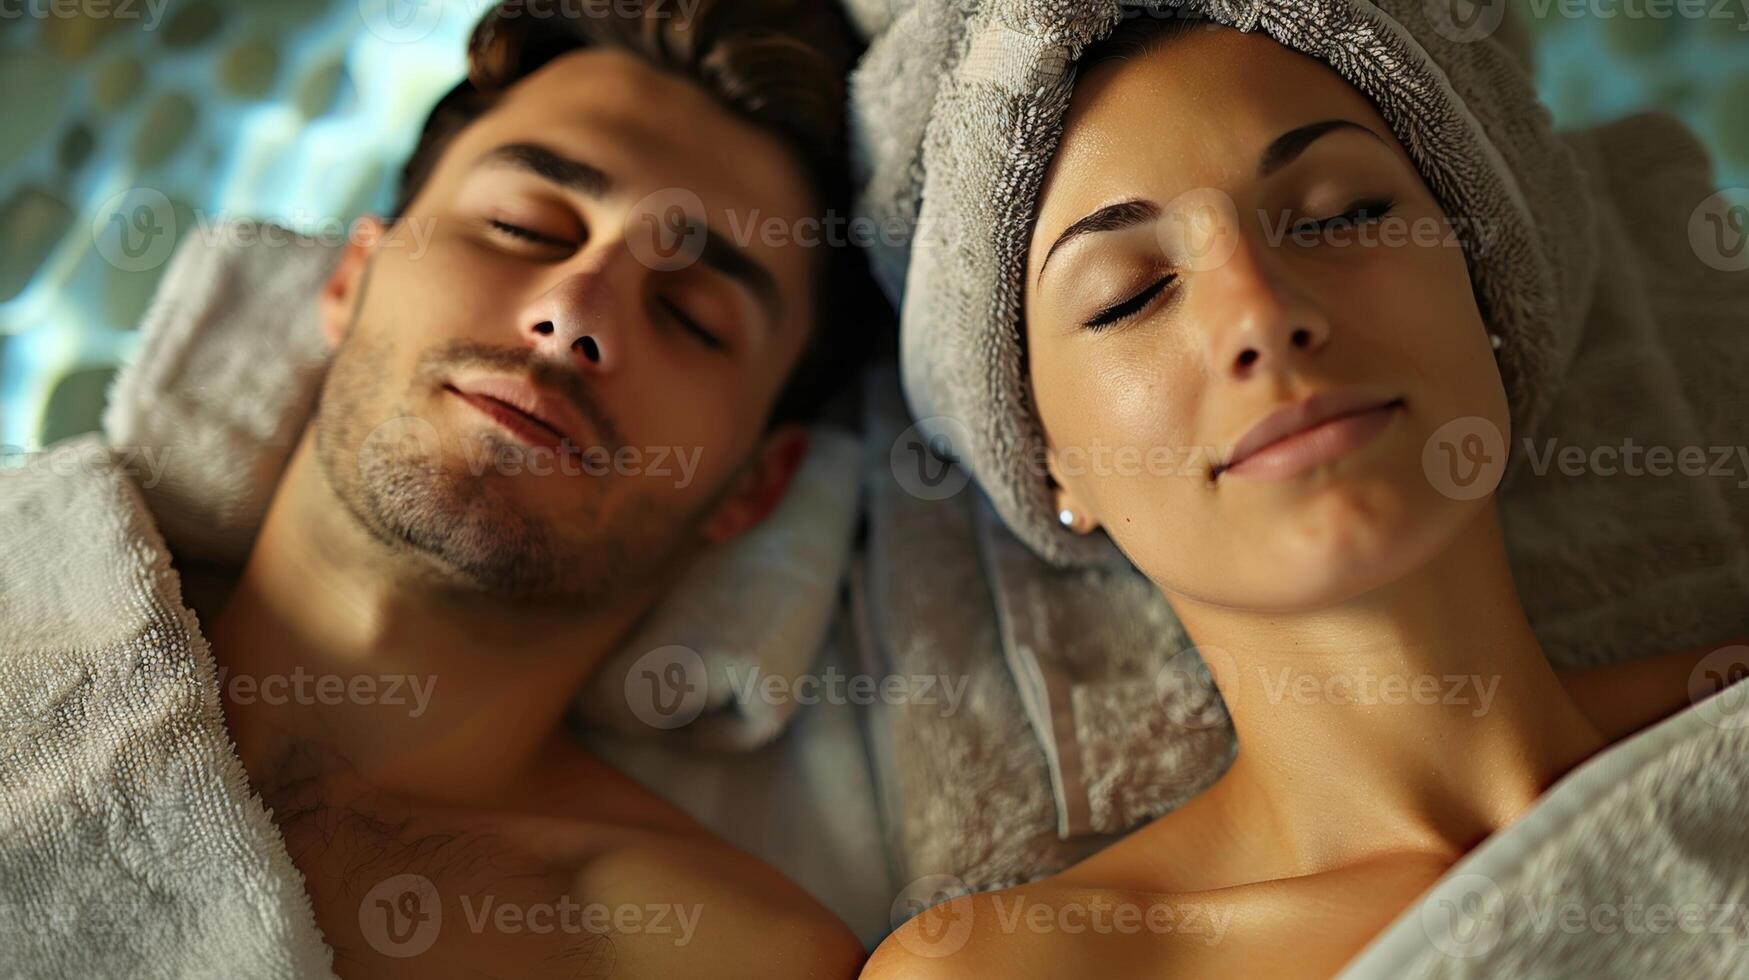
<point>778,64</point>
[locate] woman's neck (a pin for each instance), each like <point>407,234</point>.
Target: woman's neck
<point>1419,718</point>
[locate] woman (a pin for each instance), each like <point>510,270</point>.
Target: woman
<point>1230,251</point>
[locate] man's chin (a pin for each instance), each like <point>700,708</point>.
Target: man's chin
<point>467,528</point>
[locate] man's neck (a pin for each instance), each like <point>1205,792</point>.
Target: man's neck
<point>334,648</point>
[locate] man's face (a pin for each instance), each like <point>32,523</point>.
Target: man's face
<point>552,381</point>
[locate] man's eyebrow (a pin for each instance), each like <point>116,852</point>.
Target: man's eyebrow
<point>585,178</point>
<point>733,261</point>
<point>1288,146</point>
<point>1112,217</point>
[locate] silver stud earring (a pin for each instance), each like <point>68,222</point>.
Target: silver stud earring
<point>1494,341</point>
<point>1066,517</point>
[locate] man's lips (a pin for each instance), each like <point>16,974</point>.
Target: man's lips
<point>531,413</point>
<point>1297,437</point>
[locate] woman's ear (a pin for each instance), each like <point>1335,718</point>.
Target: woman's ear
<point>761,487</point>
<point>340,296</point>
<point>1071,513</point>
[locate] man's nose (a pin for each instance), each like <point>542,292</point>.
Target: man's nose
<point>573,323</point>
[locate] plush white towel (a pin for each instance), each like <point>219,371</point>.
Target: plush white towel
<point>1634,865</point>
<point>130,841</point>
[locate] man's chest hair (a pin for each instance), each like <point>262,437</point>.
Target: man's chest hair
<point>359,847</point>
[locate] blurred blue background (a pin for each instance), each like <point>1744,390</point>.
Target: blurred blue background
<point>299,111</point>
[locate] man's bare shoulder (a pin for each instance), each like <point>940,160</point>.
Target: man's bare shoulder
<point>585,879</point>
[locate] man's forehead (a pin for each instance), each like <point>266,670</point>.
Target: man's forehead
<point>648,113</point>
<point>645,127</point>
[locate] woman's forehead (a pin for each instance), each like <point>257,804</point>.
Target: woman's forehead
<point>1200,106</point>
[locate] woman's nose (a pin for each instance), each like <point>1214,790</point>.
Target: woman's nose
<point>1264,325</point>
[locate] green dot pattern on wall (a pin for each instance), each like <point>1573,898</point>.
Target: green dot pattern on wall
<point>77,403</point>
<point>194,24</point>
<point>1731,117</point>
<point>322,89</point>
<point>32,222</point>
<point>248,68</point>
<point>76,147</point>
<point>30,87</point>
<point>163,129</point>
<point>117,82</point>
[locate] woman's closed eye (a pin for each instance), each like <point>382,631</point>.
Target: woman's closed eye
<point>1359,213</point>
<point>1125,309</point>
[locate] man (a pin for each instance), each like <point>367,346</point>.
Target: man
<point>583,299</point>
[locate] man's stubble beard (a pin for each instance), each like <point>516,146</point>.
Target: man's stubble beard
<point>448,525</point>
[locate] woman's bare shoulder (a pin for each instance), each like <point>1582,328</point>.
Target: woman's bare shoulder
<point>1045,929</point>
<point>1057,927</point>
<point>1624,698</point>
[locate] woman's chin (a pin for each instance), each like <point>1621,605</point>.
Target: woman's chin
<point>1351,538</point>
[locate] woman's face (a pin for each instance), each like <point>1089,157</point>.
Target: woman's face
<point>1235,237</point>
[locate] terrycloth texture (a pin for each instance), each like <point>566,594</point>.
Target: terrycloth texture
<point>742,616</point>
<point>1634,865</point>
<point>959,110</point>
<point>130,841</point>
<point>1129,721</point>
<point>1610,567</point>
<point>230,365</point>
<point>966,792</point>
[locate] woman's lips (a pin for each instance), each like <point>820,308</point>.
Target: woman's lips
<point>1297,438</point>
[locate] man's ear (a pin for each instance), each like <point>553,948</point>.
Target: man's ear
<point>340,294</point>
<point>759,489</point>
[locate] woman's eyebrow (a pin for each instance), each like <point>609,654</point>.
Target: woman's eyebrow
<point>1287,147</point>
<point>1281,151</point>
<point>1112,217</point>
